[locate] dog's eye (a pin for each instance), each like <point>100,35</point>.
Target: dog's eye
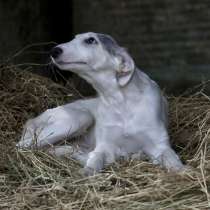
<point>91,40</point>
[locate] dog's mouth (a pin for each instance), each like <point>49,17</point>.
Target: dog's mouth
<point>67,63</point>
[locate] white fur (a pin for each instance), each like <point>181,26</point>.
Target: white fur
<point>128,117</point>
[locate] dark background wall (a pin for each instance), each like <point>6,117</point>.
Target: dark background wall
<point>170,40</point>
<point>25,22</point>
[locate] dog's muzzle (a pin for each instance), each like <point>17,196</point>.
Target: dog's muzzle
<point>56,52</point>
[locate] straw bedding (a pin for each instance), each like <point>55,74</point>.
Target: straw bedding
<point>35,180</point>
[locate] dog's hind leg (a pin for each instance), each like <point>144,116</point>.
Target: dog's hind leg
<point>55,125</point>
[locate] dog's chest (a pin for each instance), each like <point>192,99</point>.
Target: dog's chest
<point>117,127</point>
<point>125,120</point>
<point>118,120</point>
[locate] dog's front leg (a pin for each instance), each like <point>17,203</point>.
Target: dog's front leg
<point>103,154</point>
<point>157,147</point>
<point>95,162</point>
<point>68,151</point>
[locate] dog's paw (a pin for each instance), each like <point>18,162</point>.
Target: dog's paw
<point>87,171</point>
<point>186,169</point>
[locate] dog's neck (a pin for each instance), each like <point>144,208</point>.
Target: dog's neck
<point>110,92</point>
<point>111,95</point>
<point>107,87</point>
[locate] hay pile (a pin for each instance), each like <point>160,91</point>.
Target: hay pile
<point>34,180</point>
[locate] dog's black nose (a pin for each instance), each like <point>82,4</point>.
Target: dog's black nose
<point>55,52</point>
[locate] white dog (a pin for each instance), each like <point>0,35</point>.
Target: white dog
<point>128,117</point>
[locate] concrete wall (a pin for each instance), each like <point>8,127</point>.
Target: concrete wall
<point>170,40</point>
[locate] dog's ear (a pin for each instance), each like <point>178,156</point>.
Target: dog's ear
<point>126,67</point>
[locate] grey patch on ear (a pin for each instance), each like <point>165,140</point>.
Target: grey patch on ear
<point>109,43</point>
<point>126,63</point>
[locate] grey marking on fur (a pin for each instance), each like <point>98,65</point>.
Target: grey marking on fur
<point>109,43</point>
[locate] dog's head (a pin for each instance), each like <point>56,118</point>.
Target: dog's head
<point>90,53</point>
